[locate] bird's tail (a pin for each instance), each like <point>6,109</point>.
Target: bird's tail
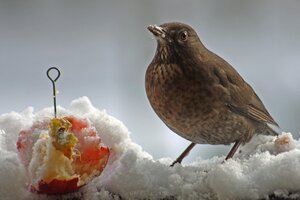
<point>268,130</point>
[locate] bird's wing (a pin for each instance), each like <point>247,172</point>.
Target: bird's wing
<point>241,97</point>
<point>253,113</point>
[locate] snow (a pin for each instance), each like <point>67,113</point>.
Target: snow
<point>267,165</point>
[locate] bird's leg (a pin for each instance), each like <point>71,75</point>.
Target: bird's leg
<point>233,149</point>
<point>184,154</point>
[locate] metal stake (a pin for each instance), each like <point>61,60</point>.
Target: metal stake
<point>53,80</point>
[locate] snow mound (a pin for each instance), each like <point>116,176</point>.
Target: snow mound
<point>267,165</point>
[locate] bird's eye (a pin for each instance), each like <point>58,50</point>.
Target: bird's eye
<point>183,36</point>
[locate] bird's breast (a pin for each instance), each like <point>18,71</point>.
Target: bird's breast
<point>176,98</point>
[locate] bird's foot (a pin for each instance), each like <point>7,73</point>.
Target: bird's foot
<point>175,162</point>
<point>184,154</point>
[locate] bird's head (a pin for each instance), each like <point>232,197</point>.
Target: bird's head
<point>176,38</point>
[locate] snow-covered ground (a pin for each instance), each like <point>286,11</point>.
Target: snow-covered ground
<point>267,165</point>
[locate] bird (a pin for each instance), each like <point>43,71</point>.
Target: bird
<point>199,95</point>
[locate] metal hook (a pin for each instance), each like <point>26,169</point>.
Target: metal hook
<point>53,85</point>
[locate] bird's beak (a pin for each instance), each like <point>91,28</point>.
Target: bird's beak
<point>157,31</point>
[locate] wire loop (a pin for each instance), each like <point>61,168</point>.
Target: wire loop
<point>53,80</point>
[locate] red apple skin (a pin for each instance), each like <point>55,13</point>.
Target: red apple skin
<point>58,186</point>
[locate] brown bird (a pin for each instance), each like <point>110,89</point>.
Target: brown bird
<point>199,95</point>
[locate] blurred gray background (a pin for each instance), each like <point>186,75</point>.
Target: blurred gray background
<point>103,49</point>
